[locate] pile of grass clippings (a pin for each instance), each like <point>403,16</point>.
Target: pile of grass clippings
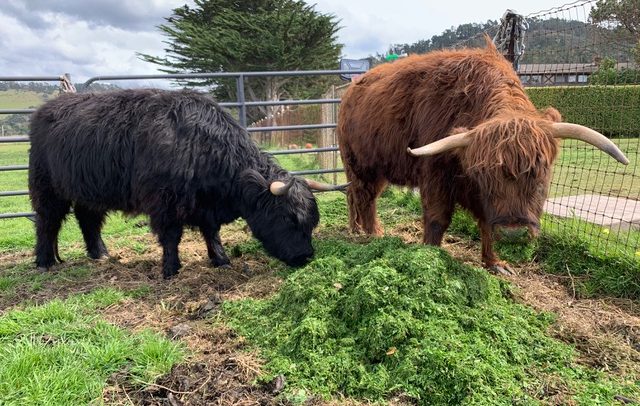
<point>376,320</point>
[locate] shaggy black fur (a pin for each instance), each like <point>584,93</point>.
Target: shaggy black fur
<point>173,155</point>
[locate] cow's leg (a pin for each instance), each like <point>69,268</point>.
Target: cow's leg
<point>211,235</point>
<point>352,204</point>
<point>353,196</point>
<point>50,213</point>
<point>91,222</point>
<point>437,210</point>
<point>169,231</point>
<point>489,257</point>
<point>361,199</point>
<point>364,188</point>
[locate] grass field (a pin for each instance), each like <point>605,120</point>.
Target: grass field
<point>62,352</point>
<point>14,99</point>
<point>582,169</point>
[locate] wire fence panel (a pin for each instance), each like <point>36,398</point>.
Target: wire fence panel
<point>589,73</point>
<point>590,76</point>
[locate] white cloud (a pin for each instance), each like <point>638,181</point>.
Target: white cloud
<point>101,37</point>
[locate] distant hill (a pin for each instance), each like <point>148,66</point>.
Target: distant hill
<point>48,87</point>
<point>20,98</point>
<point>27,95</point>
<point>547,41</point>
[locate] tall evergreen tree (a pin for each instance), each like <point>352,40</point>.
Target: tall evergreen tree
<point>623,14</point>
<point>626,13</point>
<point>251,35</point>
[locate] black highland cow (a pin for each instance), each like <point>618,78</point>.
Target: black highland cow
<point>173,155</point>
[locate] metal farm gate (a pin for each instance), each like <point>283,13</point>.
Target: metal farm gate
<point>241,105</point>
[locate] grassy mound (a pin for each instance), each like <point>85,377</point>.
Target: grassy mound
<point>384,318</point>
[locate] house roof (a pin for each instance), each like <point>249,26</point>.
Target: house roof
<point>556,68</point>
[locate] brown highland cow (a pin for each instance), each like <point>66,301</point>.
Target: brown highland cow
<point>458,125</point>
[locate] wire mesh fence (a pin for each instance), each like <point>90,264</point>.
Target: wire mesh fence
<point>590,76</point>
<point>588,71</point>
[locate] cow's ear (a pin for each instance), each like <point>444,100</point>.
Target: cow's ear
<point>252,185</point>
<point>552,114</point>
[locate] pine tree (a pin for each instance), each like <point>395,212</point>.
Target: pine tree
<point>623,14</point>
<point>251,35</point>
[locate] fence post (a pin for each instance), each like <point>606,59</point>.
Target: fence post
<point>510,37</point>
<point>334,109</point>
<point>243,107</point>
<point>66,85</point>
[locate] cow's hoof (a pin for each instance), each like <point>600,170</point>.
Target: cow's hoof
<point>501,269</point>
<point>166,275</point>
<point>101,256</point>
<point>222,263</point>
<point>42,269</point>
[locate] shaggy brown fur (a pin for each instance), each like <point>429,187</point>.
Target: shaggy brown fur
<point>502,177</point>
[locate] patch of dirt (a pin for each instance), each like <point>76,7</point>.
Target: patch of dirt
<point>606,335</point>
<point>220,372</point>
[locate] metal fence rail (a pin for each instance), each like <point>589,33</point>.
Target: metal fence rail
<point>241,104</point>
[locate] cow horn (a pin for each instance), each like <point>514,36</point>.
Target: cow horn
<point>325,187</point>
<point>586,134</point>
<point>280,188</point>
<point>453,141</point>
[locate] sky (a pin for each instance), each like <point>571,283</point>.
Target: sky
<point>101,37</point>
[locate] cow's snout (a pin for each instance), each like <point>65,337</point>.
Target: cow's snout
<point>516,232</point>
<point>299,261</point>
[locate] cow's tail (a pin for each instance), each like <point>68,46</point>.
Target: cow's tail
<point>56,253</point>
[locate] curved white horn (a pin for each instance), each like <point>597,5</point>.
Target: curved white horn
<point>586,134</point>
<point>278,188</point>
<point>325,187</point>
<point>453,141</point>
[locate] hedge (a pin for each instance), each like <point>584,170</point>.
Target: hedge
<point>612,110</point>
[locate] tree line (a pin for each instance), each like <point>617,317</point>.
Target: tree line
<point>48,88</point>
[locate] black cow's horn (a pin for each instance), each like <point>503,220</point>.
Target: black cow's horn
<point>586,134</point>
<point>325,187</point>
<point>280,188</point>
<point>459,140</point>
